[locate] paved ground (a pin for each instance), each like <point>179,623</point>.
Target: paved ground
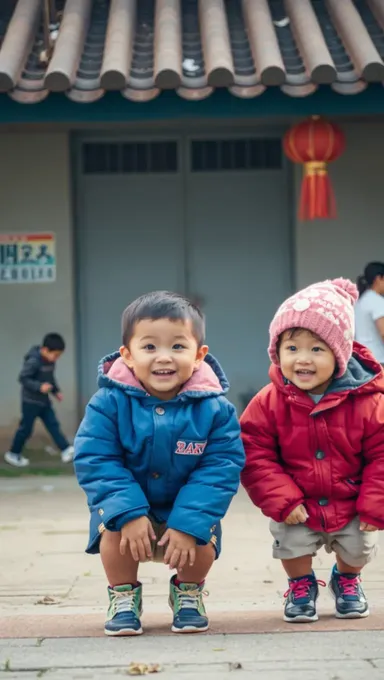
<point>319,656</point>
<point>52,603</point>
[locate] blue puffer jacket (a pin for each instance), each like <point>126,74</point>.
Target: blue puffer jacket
<point>178,460</point>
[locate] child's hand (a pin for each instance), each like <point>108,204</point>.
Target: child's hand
<point>137,534</point>
<point>59,396</point>
<point>298,516</point>
<point>45,388</point>
<point>364,526</point>
<point>181,549</point>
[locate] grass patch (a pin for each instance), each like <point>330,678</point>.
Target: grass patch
<point>35,471</point>
<point>42,465</point>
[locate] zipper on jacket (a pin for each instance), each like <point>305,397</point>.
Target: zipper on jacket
<point>322,520</point>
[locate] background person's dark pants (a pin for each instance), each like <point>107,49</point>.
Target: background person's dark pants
<point>29,414</point>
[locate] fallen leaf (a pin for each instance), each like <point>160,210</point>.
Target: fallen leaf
<point>267,581</point>
<point>235,666</point>
<point>47,599</point>
<point>219,649</point>
<point>143,669</point>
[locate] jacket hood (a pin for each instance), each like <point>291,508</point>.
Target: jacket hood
<point>364,375</point>
<point>208,380</point>
<point>33,352</point>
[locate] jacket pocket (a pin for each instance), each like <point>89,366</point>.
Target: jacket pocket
<point>354,482</point>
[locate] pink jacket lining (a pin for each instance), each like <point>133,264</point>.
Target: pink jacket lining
<point>203,379</point>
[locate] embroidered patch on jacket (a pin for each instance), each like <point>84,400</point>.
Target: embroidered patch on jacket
<point>190,448</point>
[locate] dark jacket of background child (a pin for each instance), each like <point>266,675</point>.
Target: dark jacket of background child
<point>35,371</point>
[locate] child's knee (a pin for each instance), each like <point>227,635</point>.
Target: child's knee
<point>206,552</point>
<point>110,541</point>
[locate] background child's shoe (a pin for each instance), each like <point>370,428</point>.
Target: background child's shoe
<point>301,596</point>
<point>350,600</point>
<point>16,459</point>
<point>125,609</point>
<point>186,601</point>
<point>67,454</point>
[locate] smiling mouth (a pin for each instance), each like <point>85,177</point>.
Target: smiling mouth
<point>305,373</point>
<point>165,371</point>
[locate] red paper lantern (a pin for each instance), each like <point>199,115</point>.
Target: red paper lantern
<point>315,143</point>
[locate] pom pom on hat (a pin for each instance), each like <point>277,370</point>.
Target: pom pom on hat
<point>347,287</point>
<point>326,309</point>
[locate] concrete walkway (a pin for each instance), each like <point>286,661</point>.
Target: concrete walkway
<point>319,656</point>
<point>53,601</point>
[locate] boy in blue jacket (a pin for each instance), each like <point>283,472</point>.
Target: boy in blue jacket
<point>159,457</point>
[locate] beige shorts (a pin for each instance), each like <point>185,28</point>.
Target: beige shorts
<point>158,551</point>
<point>353,546</point>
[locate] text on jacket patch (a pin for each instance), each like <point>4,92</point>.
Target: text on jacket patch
<point>190,448</point>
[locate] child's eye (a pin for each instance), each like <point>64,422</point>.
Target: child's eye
<point>178,346</point>
<point>150,347</point>
<point>291,348</point>
<point>317,349</point>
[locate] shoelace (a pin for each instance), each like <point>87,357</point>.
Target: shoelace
<point>189,599</point>
<point>300,589</point>
<point>349,586</point>
<point>123,601</point>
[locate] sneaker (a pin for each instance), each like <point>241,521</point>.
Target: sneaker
<point>50,450</point>
<point>124,611</point>
<point>67,454</point>
<point>301,596</point>
<point>350,600</point>
<point>186,601</point>
<point>16,459</point>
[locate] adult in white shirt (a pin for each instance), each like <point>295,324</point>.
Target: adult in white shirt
<point>369,310</point>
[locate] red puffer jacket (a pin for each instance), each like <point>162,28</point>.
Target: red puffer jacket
<point>328,456</point>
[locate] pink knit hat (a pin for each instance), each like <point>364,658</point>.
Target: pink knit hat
<point>324,308</point>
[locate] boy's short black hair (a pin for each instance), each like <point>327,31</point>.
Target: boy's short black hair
<point>54,342</point>
<point>162,305</point>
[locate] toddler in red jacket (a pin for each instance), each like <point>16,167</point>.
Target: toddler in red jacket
<point>314,441</point>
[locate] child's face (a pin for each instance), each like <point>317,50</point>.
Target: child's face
<point>163,355</point>
<point>51,355</point>
<point>306,361</point>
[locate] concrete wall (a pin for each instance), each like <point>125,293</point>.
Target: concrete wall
<point>34,197</point>
<point>343,246</point>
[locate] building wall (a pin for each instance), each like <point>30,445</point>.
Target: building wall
<point>342,247</point>
<point>34,197</point>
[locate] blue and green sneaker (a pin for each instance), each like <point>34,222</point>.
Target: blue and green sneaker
<point>186,601</point>
<point>124,611</point>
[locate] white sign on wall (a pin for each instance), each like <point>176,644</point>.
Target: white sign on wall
<point>27,258</point>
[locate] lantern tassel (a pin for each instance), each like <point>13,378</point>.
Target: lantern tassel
<point>317,199</point>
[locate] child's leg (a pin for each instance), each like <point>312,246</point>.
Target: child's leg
<point>354,549</point>
<point>125,594</point>
<point>298,566</point>
<point>120,569</point>
<point>187,589</point>
<point>295,546</point>
<point>52,425</point>
<point>205,557</point>
<point>29,414</point>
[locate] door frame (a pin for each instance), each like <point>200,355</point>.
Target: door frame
<point>183,134</point>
